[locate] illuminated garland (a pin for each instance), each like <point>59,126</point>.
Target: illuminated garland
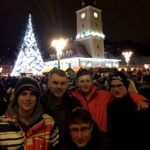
<point>29,58</point>
<point>92,33</point>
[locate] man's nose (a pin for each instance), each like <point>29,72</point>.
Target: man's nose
<point>27,97</point>
<point>59,86</point>
<point>79,134</point>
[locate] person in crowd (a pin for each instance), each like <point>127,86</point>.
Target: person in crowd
<point>132,86</point>
<point>145,88</point>
<point>3,101</point>
<point>10,92</point>
<point>57,103</point>
<point>24,126</point>
<point>124,121</point>
<point>96,101</point>
<point>85,133</point>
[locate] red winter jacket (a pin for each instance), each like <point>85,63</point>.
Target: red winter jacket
<point>97,104</point>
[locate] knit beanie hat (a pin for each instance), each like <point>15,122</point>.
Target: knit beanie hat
<point>119,76</point>
<point>27,83</point>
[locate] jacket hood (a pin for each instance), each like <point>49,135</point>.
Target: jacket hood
<point>13,111</point>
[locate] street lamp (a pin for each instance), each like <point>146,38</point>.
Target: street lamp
<point>127,56</point>
<point>59,45</point>
<point>1,70</point>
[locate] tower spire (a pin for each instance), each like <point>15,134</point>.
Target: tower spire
<point>89,2</point>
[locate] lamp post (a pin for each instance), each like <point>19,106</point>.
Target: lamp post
<point>127,56</point>
<point>59,45</point>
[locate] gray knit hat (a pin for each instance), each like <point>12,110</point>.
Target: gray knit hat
<point>27,83</point>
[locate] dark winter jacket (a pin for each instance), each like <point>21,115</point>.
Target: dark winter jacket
<point>127,124</point>
<point>145,91</point>
<point>59,113</point>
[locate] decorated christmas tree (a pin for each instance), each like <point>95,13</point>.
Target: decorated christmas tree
<point>29,58</point>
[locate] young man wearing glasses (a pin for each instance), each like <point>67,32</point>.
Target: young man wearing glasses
<point>95,100</point>
<point>85,134</point>
<point>124,121</point>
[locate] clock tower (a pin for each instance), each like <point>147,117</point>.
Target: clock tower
<point>89,29</point>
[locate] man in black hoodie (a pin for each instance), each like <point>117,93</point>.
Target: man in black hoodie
<point>57,103</point>
<point>131,127</point>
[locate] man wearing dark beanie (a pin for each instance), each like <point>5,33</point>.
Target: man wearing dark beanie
<point>24,126</point>
<point>123,119</point>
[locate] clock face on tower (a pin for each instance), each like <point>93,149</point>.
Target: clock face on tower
<point>83,15</point>
<point>95,15</point>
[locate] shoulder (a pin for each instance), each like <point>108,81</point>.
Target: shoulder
<point>135,95</point>
<point>43,97</point>
<point>6,119</point>
<point>48,119</point>
<point>147,86</point>
<point>106,141</point>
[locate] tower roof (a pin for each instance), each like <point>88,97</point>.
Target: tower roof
<point>89,2</point>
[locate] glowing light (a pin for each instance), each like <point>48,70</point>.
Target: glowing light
<point>127,56</point>
<point>146,66</point>
<point>1,69</point>
<point>92,33</point>
<point>59,45</point>
<point>29,58</point>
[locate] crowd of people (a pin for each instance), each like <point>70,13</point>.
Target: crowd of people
<point>107,111</point>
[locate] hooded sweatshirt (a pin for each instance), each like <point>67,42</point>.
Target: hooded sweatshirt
<point>15,134</point>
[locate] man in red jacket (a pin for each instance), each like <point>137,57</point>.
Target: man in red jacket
<point>95,100</point>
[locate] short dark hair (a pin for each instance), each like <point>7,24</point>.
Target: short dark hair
<point>59,72</point>
<point>79,115</point>
<point>82,73</point>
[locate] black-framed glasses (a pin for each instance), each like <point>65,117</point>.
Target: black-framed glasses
<point>118,86</point>
<point>83,130</point>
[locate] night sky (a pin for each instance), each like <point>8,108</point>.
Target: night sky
<point>122,20</point>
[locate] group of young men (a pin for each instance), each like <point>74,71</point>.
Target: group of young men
<point>80,118</point>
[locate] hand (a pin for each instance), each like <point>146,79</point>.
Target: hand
<point>142,105</point>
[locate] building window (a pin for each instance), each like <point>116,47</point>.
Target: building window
<point>105,54</point>
<point>82,25</point>
<point>98,55</point>
<point>97,46</point>
<point>96,24</point>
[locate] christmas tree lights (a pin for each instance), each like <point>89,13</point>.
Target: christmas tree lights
<point>29,58</point>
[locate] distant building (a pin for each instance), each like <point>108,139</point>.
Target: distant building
<point>88,48</point>
<point>6,68</point>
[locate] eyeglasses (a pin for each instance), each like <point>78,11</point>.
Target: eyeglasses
<point>83,130</point>
<point>119,86</point>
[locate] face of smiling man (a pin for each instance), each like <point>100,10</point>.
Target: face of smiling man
<point>26,101</point>
<point>57,85</point>
<point>85,83</point>
<point>81,133</point>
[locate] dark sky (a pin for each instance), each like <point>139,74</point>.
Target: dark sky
<point>122,20</point>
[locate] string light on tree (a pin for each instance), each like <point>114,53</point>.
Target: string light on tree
<point>29,58</point>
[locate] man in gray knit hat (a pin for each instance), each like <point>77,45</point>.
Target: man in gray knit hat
<point>24,126</point>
